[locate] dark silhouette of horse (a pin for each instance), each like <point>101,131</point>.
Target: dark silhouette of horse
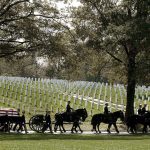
<point>75,117</point>
<point>6,122</point>
<point>134,120</point>
<point>109,119</point>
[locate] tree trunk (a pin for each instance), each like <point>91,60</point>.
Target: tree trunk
<point>131,75</point>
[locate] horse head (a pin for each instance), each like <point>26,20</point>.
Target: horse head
<point>82,113</point>
<point>85,114</point>
<point>121,115</point>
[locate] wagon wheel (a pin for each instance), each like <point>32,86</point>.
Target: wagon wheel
<point>36,123</point>
<point>10,123</point>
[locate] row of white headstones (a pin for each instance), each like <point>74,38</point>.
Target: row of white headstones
<point>25,92</point>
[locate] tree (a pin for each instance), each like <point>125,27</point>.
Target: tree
<point>28,26</point>
<point>120,28</point>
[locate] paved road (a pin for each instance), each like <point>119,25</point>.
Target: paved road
<point>84,133</point>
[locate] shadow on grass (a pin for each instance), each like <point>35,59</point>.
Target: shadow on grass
<point>36,137</point>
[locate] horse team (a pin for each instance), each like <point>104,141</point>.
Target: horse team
<point>8,123</point>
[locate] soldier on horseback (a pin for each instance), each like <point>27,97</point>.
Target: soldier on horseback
<point>144,109</point>
<point>140,109</point>
<point>106,111</point>
<point>68,107</point>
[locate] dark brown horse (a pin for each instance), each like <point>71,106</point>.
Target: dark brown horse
<point>74,117</point>
<point>109,119</point>
<point>134,120</point>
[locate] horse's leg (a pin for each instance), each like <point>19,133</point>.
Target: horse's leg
<point>98,127</point>
<point>133,129</point>
<point>145,128</point>
<point>60,129</point>
<point>75,125</point>
<point>63,127</point>
<point>75,128</point>
<point>128,128</point>
<point>72,128</point>
<point>55,127</point>
<point>94,128</point>
<point>80,128</point>
<point>109,126</point>
<point>116,127</point>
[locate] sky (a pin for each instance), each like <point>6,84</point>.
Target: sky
<point>74,3</point>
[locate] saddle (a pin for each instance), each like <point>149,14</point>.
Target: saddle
<point>68,116</point>
<point>108,118</point>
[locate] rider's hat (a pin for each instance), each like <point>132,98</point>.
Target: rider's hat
<point>23,111</point>
<point>106,104</point>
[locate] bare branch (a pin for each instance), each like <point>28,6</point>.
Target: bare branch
<point>11,5</point>
<point>15,19</point>
<point>113,56</point>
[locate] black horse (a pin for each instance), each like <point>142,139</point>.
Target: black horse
<point>134,120</point>
<point>109,119</point>
<point>6,122</point>
<point>75,117</point>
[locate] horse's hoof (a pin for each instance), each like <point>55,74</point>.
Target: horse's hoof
<point>108,131</point>
<point>72,131</point>
<point>99,131</point>
<point>81,131</point>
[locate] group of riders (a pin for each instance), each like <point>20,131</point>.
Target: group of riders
<point>48,122</point>
<point>141,110</point>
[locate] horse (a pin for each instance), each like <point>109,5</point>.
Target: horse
<point>134,120</point>
<point>109,119</point>
<point>75,117</point>
<point>6,122</point>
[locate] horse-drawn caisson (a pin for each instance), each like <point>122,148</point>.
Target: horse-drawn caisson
<point>11,120</point>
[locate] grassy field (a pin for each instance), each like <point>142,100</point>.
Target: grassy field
<point>74,142</point>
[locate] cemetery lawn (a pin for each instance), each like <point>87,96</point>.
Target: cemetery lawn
<point>74,142</point>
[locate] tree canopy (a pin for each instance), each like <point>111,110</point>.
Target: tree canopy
<point>121,29</point>
<point>29,26</point>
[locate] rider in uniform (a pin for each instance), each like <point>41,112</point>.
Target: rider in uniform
<point>140,109</point>
<point>106,109</point>
<point>68,107</point>
<point>68,110</point>
<point>144,109</point>
<point>106,113</point>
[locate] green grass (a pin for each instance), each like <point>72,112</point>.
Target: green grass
<point>74,142</point>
